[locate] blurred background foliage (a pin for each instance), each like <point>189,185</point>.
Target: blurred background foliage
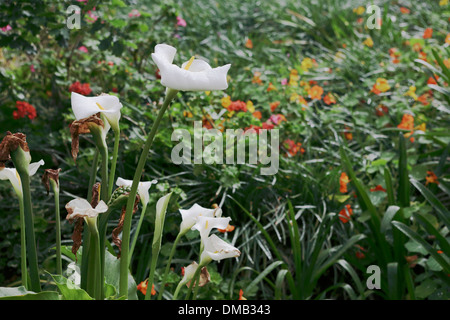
<point>41,59</point>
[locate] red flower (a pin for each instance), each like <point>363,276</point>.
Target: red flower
<point>344,214</point>
<point>24,109</point>
<point>427,33</point>
<point>237,106</point>
<point>142,287</point>
<point>378,188</point>
<point>274,105</point>
<point>81,88</point>
<point>381,110</point>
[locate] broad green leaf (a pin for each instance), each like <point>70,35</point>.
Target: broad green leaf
<point>20,293</point>
<point>69,290</point>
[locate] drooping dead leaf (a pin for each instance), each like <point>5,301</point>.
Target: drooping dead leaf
<point>81,126</point>
<point>50,174</point>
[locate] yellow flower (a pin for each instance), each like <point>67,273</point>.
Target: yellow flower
<point>307,63</point>
<point>411,92</point>
<point>368,42</point>
<point>443,2</point>
<point>250,106</point>
<point>226,101</point>
<point>293,78</point>
<point>359,11</point>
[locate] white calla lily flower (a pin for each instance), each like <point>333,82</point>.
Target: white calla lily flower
<point>193,75</point>
<point>205,224</point>
<point>81,208</point>
<point>190,216</point>
<point>217,249</point>
<point>12,175</point>
<point>106,104</point>
<point>143,188</point>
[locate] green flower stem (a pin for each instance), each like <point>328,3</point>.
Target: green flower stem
<point>177,290</point>
<point>21,160</point>
<point>93,174</point>
<point>155,254</point>
<point>136,234</point>
<point>114,160</point>
<point>124,260</point>
<point>166,272</point>
<point>23,248</point>
<point>97,134</point>
<point>95,283</point>
<point>58,227</point>
<point>86,235</point>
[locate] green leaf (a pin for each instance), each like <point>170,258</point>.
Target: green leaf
<point>388,217</point>
<point>441,211</point>
<point>20,293</point>
<point>425,289</point>
<point>69,290</point>
<point>432,251</point>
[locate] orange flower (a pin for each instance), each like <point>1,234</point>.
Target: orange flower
<point>293,148</point>
<point>393,52</point>
<point>423,99</point>
<point>378,188</point>
<point>257,115</point>
<point>431,178</point>
<point>344,214</point>
<point>381,85</point>
<point>229,228</point>
<point>256,78</point>
<point>249,44</point>
<point>315,92</point>
<point>329,99</point>
<point>427,33</point>
<point>271,87</point>
<point>142,287</point>
<point>432,80</point>
<point>343,181</point>
<point>241,295</point>
<point>404,10</point>
<point>360,255</point>
<point>422,56</point>
<point>274,105</point>
<point>447,38</point>
<point>407,124</point>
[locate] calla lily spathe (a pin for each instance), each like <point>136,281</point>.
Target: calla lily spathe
<point>12,175</point>
<point>193,75</point>
<point>81,208</point>
<point>205,224</point>
<point>106,104</point>
<point>217,249</point>
<point>190,216</point>
<point>143,188</point>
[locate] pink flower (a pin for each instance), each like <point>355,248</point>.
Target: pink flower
<point>284,81</point>
<point>92,17</point>
<point>7,28</point>
<point>181,22</point>
<point>32,69</point>
<point>82,1</point>
<point>134,13</point>
<point>83,49</point>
